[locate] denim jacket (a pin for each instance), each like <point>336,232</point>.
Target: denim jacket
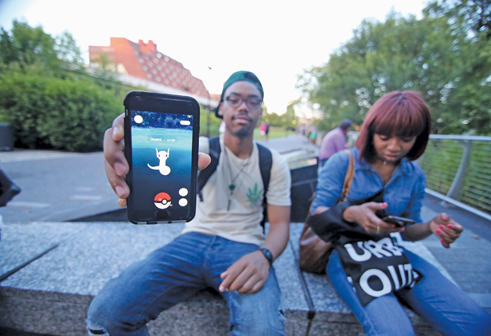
<point>404,193</point>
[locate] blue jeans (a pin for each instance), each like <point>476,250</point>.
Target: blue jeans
<point>172,274</point>
<point>445,306</point>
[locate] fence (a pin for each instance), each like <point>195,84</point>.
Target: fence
<point>458,171</point>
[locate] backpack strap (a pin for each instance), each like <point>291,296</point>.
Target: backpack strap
<point>265,164</point>
<point>204,175</point>
<point>348,180</point>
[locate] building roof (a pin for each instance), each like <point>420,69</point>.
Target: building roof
<point>144,61</point>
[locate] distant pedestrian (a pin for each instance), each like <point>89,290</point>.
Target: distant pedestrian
<point>267,130</point>
<point>262,130</point>
<point>313,136</point>
<point>334,141</point>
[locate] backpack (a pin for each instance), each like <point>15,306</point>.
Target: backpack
<point>265,164</point>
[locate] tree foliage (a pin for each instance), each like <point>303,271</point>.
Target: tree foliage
<point>25,45</point>
<point>287,120</point>
<point>51,112</point>
<point>209,122</point>
<point>446,56</point>
<point>46,95</point>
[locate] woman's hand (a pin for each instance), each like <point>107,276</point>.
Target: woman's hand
<point>115,162</point>
<point>365,216</point>
<point>446,229</point>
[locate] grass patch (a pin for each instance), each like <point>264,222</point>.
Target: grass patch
<point>274,133</point>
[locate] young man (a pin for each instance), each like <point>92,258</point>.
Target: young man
<point>223,247</point>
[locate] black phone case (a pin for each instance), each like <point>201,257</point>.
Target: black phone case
<point>399,222</point>
<point>148,101</point>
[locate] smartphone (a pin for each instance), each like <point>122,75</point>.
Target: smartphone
<point>161,146</point>
<point>398,221</point>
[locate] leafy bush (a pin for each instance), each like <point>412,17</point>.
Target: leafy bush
<point>49,112</point>
<point>205,117</point>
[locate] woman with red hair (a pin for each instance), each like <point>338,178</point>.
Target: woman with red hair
<point>368,267</point>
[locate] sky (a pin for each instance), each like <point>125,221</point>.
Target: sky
<point>276,40</point>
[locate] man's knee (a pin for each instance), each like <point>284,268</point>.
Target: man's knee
<point>257,314</point>
<point>97,322</point>
<point>102,318</point>
<point>272,324</point>
<point>109,317</point>
<point>95,329</point>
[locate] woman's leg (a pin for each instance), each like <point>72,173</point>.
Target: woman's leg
<point>444,305</point>
<point>382,316</point>
<point>164,278</point>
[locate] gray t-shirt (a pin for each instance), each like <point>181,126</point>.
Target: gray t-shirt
<point>236,214</point>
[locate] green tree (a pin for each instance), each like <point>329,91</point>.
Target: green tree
<point>25,45</point>
<point>439,56</point>
<point>470,99</point>
<point>285,120</point>
<point>214,122</point>
<point>290,117</point>
<point>475,15</point>
<point>274,119</point>
<point>46,95</point>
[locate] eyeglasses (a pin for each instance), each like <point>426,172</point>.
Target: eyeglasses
<point>251,102</point>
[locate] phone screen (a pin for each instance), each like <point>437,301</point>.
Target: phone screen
<point>161,181</point>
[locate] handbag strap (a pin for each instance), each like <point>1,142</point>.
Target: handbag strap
<point>350,174</point>
<point>348,179</point>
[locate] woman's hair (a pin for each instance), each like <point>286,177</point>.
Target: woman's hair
<point>401,114</point>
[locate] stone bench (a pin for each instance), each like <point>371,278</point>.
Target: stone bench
<point>51,294</point>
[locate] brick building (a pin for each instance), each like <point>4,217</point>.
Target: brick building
<point>142,64</point>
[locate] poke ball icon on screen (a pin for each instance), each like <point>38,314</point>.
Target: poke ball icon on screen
<point>162,200</point>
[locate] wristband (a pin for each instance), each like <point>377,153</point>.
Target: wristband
<point>267,254</point>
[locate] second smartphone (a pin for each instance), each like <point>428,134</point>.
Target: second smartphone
<point>161,146</point>
<point>398,221</point>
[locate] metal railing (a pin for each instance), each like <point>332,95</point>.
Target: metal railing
<point>457,169</point>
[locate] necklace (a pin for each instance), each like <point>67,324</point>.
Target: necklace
<point>385,171</point>
<point>232,186</point>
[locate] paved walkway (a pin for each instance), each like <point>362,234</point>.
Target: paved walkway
<point>56,186</point>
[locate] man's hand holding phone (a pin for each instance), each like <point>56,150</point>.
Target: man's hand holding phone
<point>115,162</point>
<point>117,166</point>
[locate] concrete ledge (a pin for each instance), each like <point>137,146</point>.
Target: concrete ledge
<point>51,294</point>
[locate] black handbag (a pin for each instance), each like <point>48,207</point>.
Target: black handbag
<point>8,189</point>
<point>374,264</point>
